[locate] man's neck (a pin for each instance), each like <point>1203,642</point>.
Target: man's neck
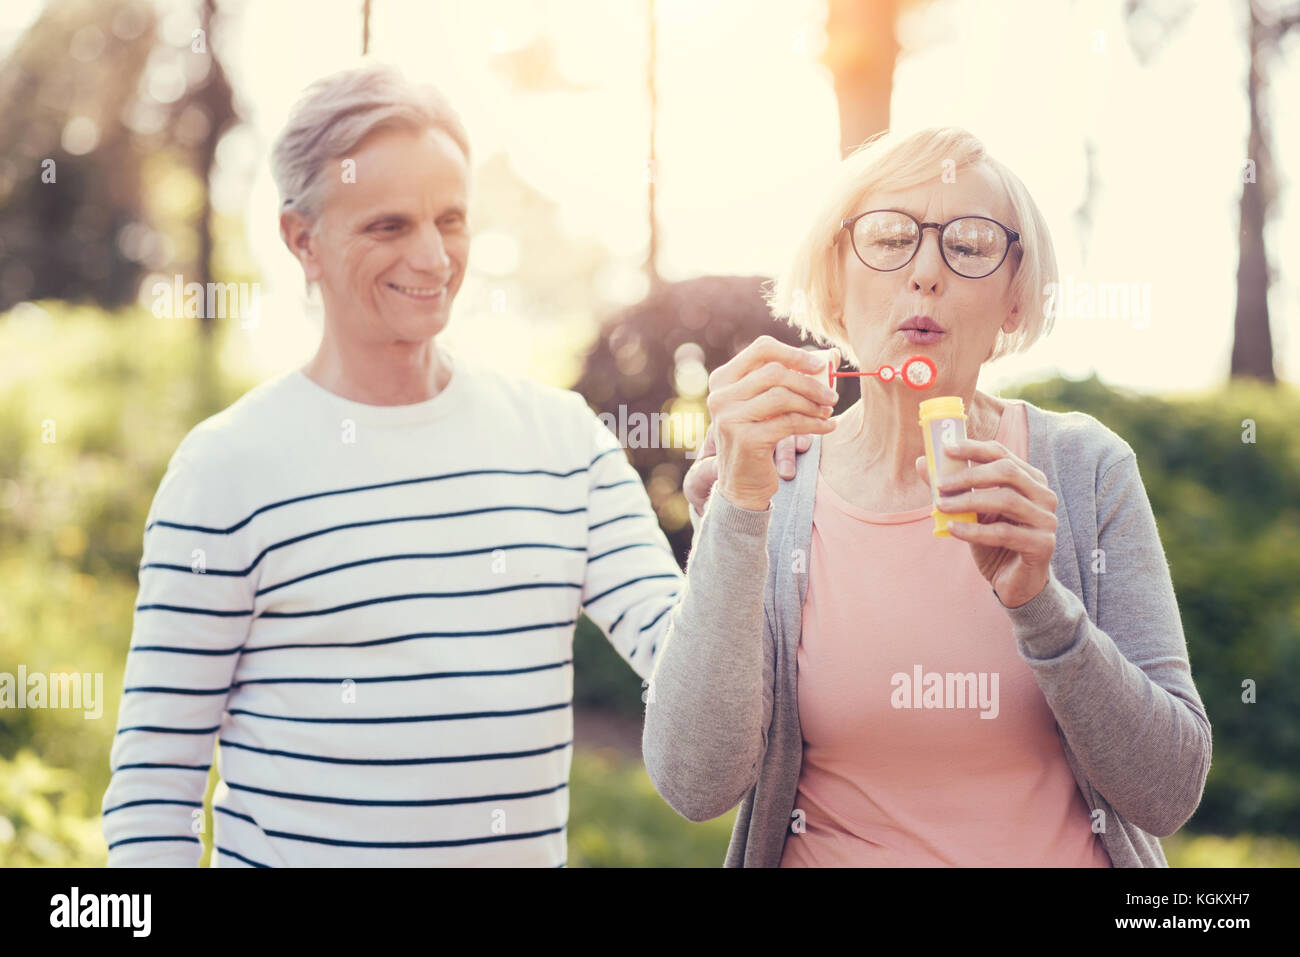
<point>397,374</point>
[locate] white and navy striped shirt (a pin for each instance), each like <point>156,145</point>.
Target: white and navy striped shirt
<point>370,609</point>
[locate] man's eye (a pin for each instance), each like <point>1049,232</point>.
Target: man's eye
<point>387,227</point>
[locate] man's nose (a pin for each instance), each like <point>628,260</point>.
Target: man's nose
<point>429,253</point>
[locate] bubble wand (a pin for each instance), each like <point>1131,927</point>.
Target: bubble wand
<point>919,372</point>
<point>943,422</point>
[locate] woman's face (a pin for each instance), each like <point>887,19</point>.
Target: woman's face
<point>969,311</point>
<point>391,243</point>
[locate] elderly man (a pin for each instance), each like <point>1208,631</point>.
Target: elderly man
<point>362,578</point>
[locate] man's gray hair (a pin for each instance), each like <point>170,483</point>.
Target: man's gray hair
<point>337,112</point>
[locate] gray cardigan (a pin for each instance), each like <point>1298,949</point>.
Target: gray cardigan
<point>1107,649</point>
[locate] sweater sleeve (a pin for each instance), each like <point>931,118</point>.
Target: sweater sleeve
<point>1121,688</point>
<point>632,577</point>
<point>192,616</point>
<point>704,723</point>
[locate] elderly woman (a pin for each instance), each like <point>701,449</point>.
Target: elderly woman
<point>874,695</point>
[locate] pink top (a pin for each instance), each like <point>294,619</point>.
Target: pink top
<point>926,739</point>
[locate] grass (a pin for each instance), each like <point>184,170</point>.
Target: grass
<point>617,819</point>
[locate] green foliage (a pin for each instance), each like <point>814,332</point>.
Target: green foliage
<point>601,676</point>
<point>91,408</point>
<point>44,820</point>
<point>1228,511</point>
<point>1244,850</point>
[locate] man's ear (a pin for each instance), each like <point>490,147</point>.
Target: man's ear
<point>298,233</point>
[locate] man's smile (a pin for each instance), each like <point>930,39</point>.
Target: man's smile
<point>421,293</point>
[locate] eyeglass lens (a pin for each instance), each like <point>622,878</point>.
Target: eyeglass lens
<point>973,247</point>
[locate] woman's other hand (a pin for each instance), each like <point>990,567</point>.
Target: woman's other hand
<point>1015,538</point>
<point>767,392</point>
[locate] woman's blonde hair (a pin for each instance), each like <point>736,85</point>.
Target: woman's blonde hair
<point>809,294</point>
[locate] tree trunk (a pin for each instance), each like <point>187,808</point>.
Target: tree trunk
<point>861,50</point>
<point>1252,344</point>
<point>216,100</point>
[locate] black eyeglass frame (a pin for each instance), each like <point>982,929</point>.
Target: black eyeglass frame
<point>1012,237</point>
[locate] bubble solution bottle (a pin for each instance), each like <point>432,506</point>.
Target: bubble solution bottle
<point>943,423</point>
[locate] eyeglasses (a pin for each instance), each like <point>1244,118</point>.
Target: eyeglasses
<point>888,239</point>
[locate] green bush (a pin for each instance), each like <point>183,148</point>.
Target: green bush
<point>1228,511</point>
<point>45,820</point>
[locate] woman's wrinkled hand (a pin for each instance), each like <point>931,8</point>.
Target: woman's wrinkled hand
<point>768,392</point>
<point>1015,537</point>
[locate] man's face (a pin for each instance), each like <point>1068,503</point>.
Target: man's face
<point>390,247</point>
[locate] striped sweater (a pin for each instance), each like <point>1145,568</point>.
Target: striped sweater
<point>370,611</point>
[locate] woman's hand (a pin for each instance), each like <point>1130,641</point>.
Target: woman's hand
<point>766,393</point>
<point>1015,538</point>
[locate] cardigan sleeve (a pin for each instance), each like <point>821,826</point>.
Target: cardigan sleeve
<point>706,714</point>
<point>1121,687</point>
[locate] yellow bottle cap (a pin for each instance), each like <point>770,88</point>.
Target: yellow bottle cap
<point>942,407</point>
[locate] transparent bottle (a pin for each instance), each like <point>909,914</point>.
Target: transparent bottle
<point>943,423</point>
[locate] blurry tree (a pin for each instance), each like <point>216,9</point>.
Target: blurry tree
<point>209,110</point>
<point>94,103</point>
<point>1150,24</point>
<point>1252,342</point>
<point>861,52</point>
<point>530,265</point>
<point>1085,211</point>
<point>70,166</point>
<point>654,357</point>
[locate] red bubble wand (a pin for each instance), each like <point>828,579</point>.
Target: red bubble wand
<point>919,372</point>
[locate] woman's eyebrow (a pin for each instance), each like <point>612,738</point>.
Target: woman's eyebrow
<point>979,212</point>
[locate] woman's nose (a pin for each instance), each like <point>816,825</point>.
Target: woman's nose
<point>927,265</point>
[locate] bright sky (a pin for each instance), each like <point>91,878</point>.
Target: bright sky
<point>748,131</point>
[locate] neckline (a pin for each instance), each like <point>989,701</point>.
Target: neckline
<point>841,504</point>
<point>412,413</point>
